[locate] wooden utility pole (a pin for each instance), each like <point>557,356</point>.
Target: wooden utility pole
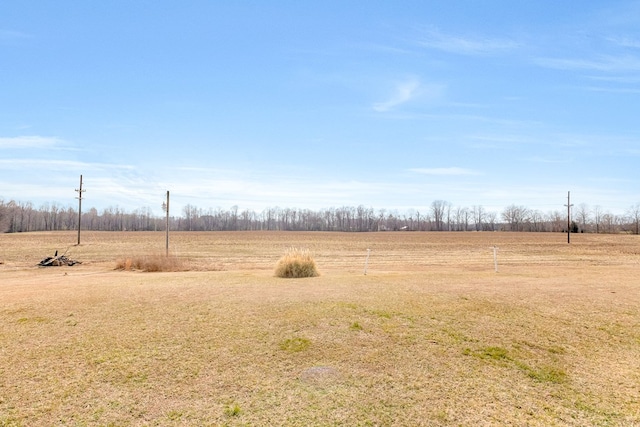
<point>165,206</point>
<point>80,191</point>
<point>568,205</point>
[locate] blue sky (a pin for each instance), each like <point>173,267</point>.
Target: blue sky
<point>386,104</point>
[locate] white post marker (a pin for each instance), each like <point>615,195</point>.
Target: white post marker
<point>366,261</point>
<point>495,258</point>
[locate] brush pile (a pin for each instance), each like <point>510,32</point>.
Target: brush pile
<point>57,261</point>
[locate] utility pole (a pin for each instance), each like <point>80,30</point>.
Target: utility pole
<point>80,191</point>
<point>165,207</point>
<point>568,205</point>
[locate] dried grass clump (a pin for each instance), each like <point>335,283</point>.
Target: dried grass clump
<point>296,263</point>
<point>152,263</point>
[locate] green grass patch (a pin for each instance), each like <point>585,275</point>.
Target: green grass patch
<point>546,374</point>
<point>495,353</point>
<point>295,345</point>
<point>36,319</point>
<point>233,410</point>
<point>549,374</point>
<point>10,422</point>
<point>175,415</point>
<point>356,326</point>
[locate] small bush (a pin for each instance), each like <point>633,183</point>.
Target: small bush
<point>296,263</point>
<point>152,263</point>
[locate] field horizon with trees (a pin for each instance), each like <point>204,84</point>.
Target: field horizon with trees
<point>441,215</point>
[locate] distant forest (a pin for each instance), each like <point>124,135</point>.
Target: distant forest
<point>440,216</point>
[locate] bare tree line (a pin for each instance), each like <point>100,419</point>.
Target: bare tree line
<point>440,216</point>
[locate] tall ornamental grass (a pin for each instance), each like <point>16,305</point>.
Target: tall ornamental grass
<point>296,263</point>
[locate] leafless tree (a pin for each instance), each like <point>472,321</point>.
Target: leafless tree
<point>461,218</point>
<point>478,216</point>
<point>582,214</point>
<point>438,208</point>
<point>515,216</point>
<point>22,216</point>
<point>634,214</point>
<point>5,221</point>
<point>536,221</point>
<point>597,217</point>
<point>557,221</point>
<point>492,218</point>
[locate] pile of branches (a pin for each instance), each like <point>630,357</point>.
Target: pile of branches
<point>57,261</point>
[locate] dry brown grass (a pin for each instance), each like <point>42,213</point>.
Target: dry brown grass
<point>152,263</point>
<point>296,263</point>
<point>430,336</point>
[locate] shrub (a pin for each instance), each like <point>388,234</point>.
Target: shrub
<point>152,263</point>
<point>296,263</point>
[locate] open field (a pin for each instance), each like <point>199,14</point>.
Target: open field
<point>430,336</point>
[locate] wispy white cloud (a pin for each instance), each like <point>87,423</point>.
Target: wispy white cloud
<point>58,165</point>
<point>451,171</point>
<point>620,79</point>
<point>383,48</point>
<point>403,93</point>
<point>611,89</point>
<point>468,118</point>
<point>208,189</point>
<point>500,140</point>
<point>409,90</point>
<point>549,160</point>
<point>33,141</point>
<point>466,45</point>
<point>625,42</point>
<point>603,63</point>
<point>7,35</point>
